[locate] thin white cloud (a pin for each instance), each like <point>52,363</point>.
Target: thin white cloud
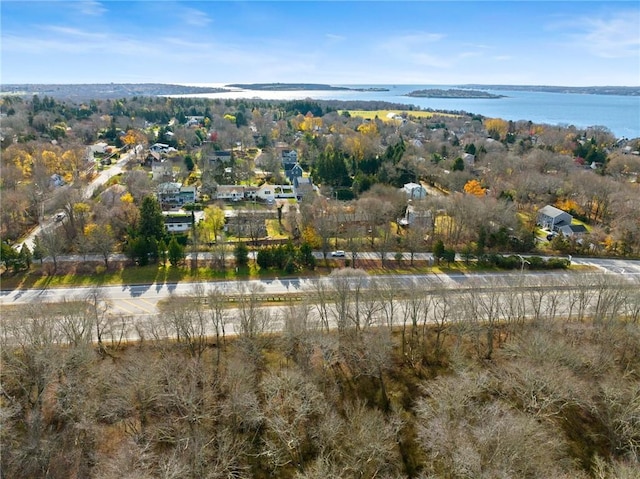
<point>502,58</point>
<point>614,36</point>
<point>72,40</point>
<point>335,38</point>
<point>195,18</point>
<point>74,33</point>
<point>462,55</point>
<point>90,7</point>
<point>416,49</point>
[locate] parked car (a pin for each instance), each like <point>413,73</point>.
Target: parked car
<point>338,254</point>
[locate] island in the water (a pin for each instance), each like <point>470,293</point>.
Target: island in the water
<point>299,87</point>
<point>452,93</point>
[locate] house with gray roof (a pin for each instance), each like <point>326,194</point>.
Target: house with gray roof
<point>553,218</point>
<point>571,231</point>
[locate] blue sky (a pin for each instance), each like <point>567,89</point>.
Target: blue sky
<point>574,43</point>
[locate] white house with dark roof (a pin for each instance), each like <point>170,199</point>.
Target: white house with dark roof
<point>178,223</point>
<point>553,218</point>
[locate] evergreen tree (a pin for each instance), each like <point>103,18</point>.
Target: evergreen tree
<point>438,250</point>
<point>26,256</point>
<point>162,252</point>
<point>151,223</point>
<point>38,252</point>
<point>306,256</point>
<point>241,253</point>
<point>175,252</point>
<point>188,161</point>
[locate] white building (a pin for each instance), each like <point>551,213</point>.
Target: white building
<point>414,191</point>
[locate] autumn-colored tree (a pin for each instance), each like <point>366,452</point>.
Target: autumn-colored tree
<point>568,204</point>
<point>52,161</point>
<point>134,137</point>
<point>473,187</point>
<point>71,163</point>
<point>310,236</point>
<point>497,128</point>
<point>213,222</point>
<point>369,128</point>
<point>22,159</point>
<point>310,123</point>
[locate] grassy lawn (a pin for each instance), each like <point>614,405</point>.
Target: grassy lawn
<point>87,276</point>
<point>382,114</point>
<point>275,231</point>
<point>37,278</point>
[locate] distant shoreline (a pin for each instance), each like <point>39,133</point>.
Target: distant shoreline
<point>105,90</point>
<point>577,90</point>
<point>127,90</point>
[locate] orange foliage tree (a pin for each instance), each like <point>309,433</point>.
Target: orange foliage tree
<point>473,187</point>
<point>134,137</point>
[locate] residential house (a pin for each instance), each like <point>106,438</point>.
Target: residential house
<point>289,159</point>
<point>172,194</point>
<point>152,157</point>
<point>553,218</point>
<point>178,223</point>
<point>414,191</point>
<point>571,231</point>
<point>270,193</point>
<point>100,148</point>
<point>295,171</point>
<point>194,120</point>
<point>161,171</point>
<point>220,156</point>
<point>303,186</point>
<point>250,192</point>
<point>159,148</point>
<point>416,217</point>
<point>266,192</point>
<point>230,192</point>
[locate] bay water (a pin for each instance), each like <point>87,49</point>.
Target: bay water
<point>620,114</point>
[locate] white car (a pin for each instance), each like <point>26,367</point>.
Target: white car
<point>338,254</point>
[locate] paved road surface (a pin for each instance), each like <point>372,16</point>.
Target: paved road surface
<point>143,299</point>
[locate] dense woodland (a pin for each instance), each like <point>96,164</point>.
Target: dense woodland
<point>439,383</point>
